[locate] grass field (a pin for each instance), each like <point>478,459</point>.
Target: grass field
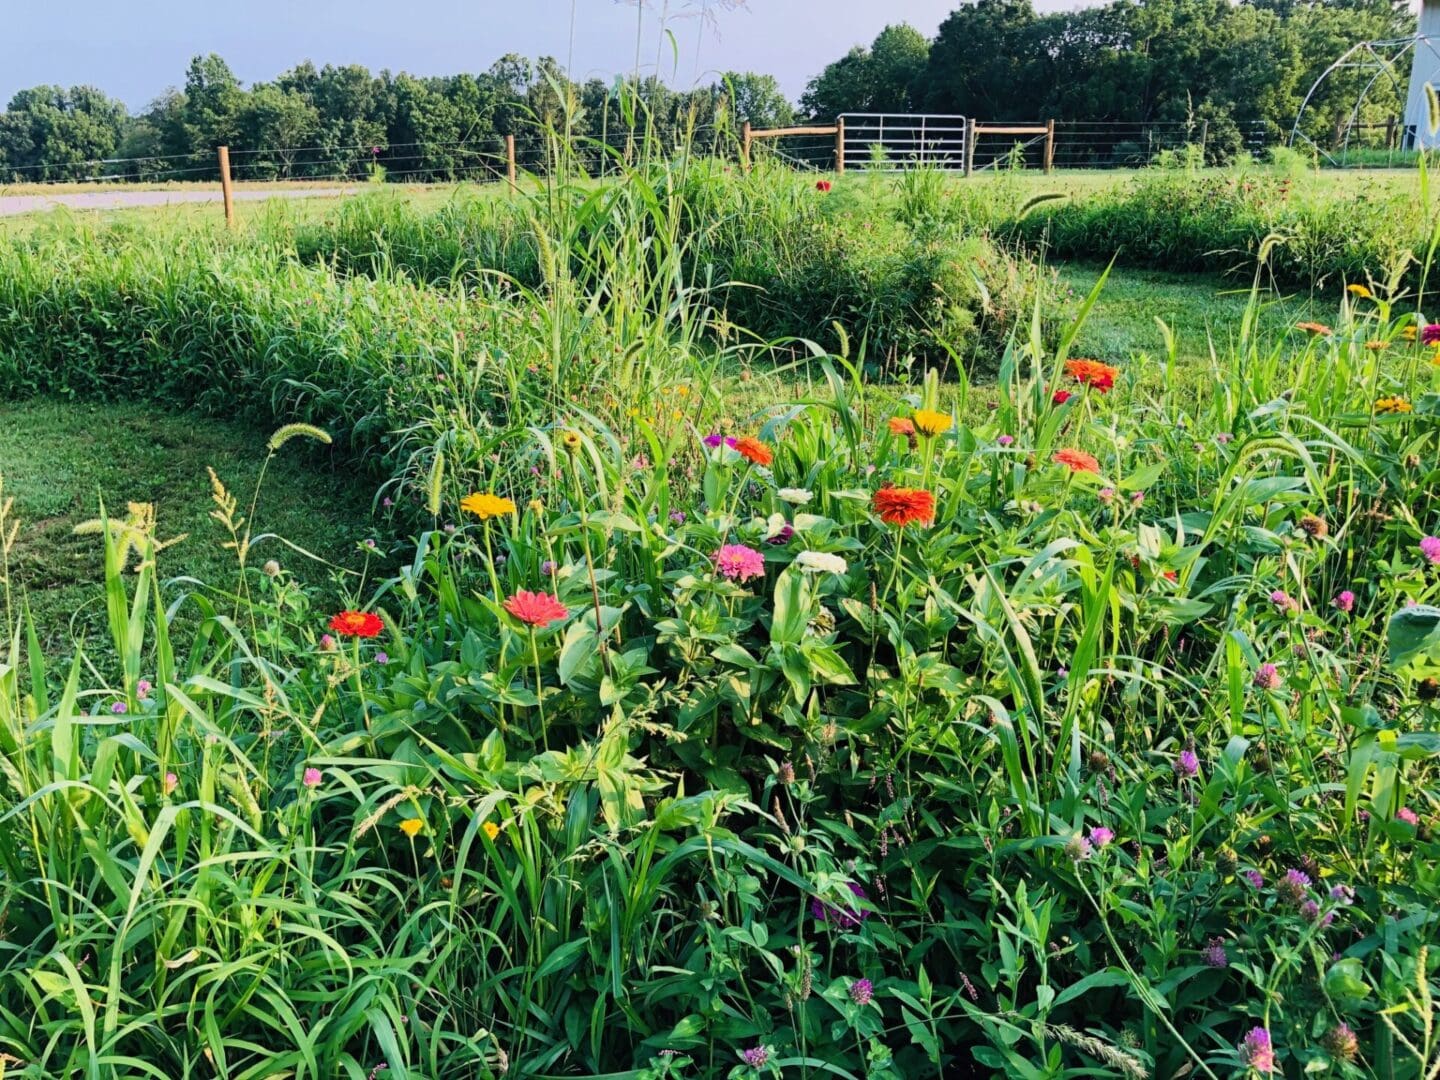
<point>61,459</point>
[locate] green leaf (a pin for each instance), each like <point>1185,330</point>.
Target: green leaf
<point>1412,631</point>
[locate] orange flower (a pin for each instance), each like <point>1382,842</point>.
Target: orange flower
<point>1314,328</point>
<point>1092,373</point>
<point>1377,346</point>
<point>901,425</point>
<point>364,624</point>
<point>904,506</point>
<point>754,450</point>
<point>1076,460</point>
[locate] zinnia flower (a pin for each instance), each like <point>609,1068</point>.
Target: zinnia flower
<point>901,425</point>
<point>1257,1050</point>
<point>536,609</point>
<point>820,562</point>
<point>1393,406</point>
<point>1061,396</point>
<point>930,423</point>
<point>358,624</point>
<point>1319,329</point>
<point>739,563</point>
<point>1092,373</point>
<point>754,450</point>
<point>1430,334</point>
<point>904,506</point>
<point>486,506</point>
<point>411,827</point>
<point>1076,460</point>
<point>795,496</point>
<point>822,186</point>
<point>1359,291</point>
<point>311,777</point>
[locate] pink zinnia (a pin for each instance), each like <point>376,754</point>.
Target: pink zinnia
<point>1430,548</point>
<point>1430,334</point>
<point>311,777</point>
<point>739,563</point>
<point>536,609</point>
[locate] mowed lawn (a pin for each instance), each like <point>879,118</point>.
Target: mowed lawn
<point>60,459</point>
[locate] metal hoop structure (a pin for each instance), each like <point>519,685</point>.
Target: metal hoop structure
<point>1382,59</point>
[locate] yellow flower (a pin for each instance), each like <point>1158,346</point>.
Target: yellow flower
<point>491,829</point>
<point>1359,292</point>
<point>411,827</point>
<point>537,506</point>
<point>682,390</point>
<point>1392,405</point>
<point>931,423</point>
<point>677,415</point>
<point>571,441</point>
<point>486,506</point>
<point>1408,333</point>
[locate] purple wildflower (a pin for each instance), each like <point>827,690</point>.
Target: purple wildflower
<point>1345,601</point>
<point>1284,603</point>
<point>677,517</point>
<point>714,439</point>
<point>1258,1051</point>
<point>382,658</point>
<point>845,918</point>
<point>1267,677</point>
<point>1078,848</point>
<point>756,1057</point>
<point>1294,887</point>
<point>1342,894</point>
<point>1100,836</point>
<point>1310,911</point>
<point>142,689</point>
<point>119,707</point>
<point>548,567</point>
<point>861,991</point>
<point>1006,440</point>
<point>1214,953</point>
<point>1187,764</point>
<point>1254,877</point>
<point>1430,548</point>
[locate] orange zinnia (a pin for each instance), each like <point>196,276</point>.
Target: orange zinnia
<point>901,425</point>
<point>1076,460</point>
<point>1092,373</point>
<point>752,449</point>
<point>357,624</point>
<point>904,506</point>
<point>1314,328</point>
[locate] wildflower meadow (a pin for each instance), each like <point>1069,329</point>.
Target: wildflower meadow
<point>787,654</point>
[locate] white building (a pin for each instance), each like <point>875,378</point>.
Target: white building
<point>1426,70</point>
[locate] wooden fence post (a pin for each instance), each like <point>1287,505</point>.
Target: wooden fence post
<point>840,145</point>
<point>1050,145</point>
<point>225,191</point>
<point>745,138</point>
<point>510,162</point>
<point>1204,137</point>
<point>969,146</point>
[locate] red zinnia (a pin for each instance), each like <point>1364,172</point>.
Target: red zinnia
<point>1092,373</point>
<point>904,506</point>
<point>1076,460</point>
<point>536,609</point>
<point>1061,396</point>
<point>822,185</point>
<point>752,449</point>
<point>357,624</point>
<point>902,425</point>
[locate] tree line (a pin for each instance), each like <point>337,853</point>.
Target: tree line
<point>344,121</point>
<point>1228,66</point>
<point>1224,65</point>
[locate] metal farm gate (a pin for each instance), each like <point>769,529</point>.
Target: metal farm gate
<point>890,142</point>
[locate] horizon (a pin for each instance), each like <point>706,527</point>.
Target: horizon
<point>120,51</point>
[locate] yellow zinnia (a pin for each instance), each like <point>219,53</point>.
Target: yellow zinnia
<point>931,423</point>
<point>1392,405</point>
<point>1359,291</point>
<point>486,506</point>
<point>411,827</point>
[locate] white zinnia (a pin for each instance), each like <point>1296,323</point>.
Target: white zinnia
<point>820,562</point>
<point>796,496</point>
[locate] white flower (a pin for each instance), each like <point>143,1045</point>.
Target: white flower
<point>775,525</point>
<point>796,496</point>
<point>820,562</point>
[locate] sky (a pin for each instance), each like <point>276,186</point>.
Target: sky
<point>134,50</point>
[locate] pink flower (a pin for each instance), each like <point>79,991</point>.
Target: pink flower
<point>1005,440</point>
<point>142,689</point>
<point>536,609</point>
<point>739,563</point>
<point>1258,1051</point>
<point>1430,334</point>
<point>1345,601</point>
<point>1105,494</point>
<point>1430,548</point>
<point>1407,815</point>
<point>311,777</point>
<point>171,782</point>
<point>1100,836</point>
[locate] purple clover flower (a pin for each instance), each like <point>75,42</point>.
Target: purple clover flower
<point>1186,764</point>
<point>844,918</point>
<point>1345,601</point>
<point>1214,953</point>
<point>1101,836</point>
<point>756,1057</point>
<point>1267,677</point>
<point>1258,1051</point>
<point>1430,548</point>
<point>861,991</point>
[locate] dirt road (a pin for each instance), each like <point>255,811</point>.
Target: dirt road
<point>119,200</point>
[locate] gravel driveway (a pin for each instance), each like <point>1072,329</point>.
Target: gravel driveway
<point>119,200</point>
